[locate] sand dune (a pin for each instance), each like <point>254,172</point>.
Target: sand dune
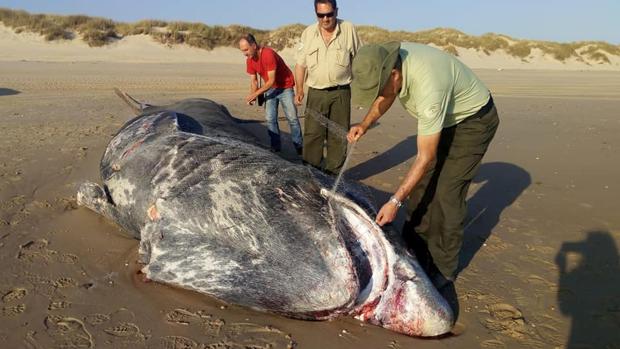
<point>144,49</point>
<point>132,49</point>
<point>540,254</point>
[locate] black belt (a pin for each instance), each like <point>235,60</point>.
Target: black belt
<point>484,110</point>
<point>334,88</point>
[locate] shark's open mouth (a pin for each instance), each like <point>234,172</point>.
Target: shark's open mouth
<point>394,291</point>
<point>365,241</point>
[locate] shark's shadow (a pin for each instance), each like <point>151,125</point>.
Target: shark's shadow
<point>8,92</point>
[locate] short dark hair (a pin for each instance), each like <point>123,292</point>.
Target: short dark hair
<point>249,38</point>
<point>331,2</point>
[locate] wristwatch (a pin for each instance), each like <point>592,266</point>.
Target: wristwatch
<point>395,201</point>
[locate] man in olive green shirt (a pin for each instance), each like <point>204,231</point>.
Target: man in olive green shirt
<point>456,122</point>
<point>324,64</point>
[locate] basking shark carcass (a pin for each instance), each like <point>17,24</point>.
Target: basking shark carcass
<point>217,213</point>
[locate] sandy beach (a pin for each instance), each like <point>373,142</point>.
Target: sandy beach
<point>540,260</point>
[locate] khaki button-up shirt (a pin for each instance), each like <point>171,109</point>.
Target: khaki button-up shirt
<point>328,65</point>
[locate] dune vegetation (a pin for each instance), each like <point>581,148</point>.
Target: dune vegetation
<point>97,31</point>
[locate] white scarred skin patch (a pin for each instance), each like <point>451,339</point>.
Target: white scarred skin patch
<point>223,202</point>
<point>223,199</point>
<point>163,176</point>
<point>121,190</point>
<point>145,128</point>
<point>202,267</point>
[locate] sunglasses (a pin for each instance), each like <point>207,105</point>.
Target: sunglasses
<point>323,15</point>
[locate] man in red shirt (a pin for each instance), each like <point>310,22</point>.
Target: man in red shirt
<point>278,88</point>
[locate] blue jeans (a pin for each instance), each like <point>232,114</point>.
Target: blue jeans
<point>273,97</point>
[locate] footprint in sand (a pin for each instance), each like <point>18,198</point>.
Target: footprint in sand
<point>67,258</point>
<point>64,282</point>
<point>96,319</point>
<point>227,345</point>
<point>68,332</point>
<point>209,325</point>
<point>37,250</point>
<point>34,251</point>
<point>213,327</point>
<point>57,305</point>
<point>117,329</point>
<point>251,335</point>
<point>127,332</point>
<point>393,345</point>
<point>185,317</point>
<point>507,320</point>
<point>41,285</point>
<point>237,335</point>
<point>14,295</point>
<point>13,310</point>
<point>16,207</point>
<point>178,342</point>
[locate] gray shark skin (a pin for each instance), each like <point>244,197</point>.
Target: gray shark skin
<point>217,213</point>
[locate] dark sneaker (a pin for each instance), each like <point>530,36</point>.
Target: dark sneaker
<point>299,150</point>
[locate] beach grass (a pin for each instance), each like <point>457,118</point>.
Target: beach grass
<point>97,31</point>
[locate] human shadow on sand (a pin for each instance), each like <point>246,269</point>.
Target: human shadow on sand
<point>395,156</point>
<point>8,92</point>
<point>502,184</point>
<point>589,290</point>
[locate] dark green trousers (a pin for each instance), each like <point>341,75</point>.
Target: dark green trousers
<point>436,207</point>
<point>335,105</point>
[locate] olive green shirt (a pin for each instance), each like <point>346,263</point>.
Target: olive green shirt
<point>328,65</point>
<point>438,89</point>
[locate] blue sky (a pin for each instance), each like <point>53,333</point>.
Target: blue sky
<point>555,20</point>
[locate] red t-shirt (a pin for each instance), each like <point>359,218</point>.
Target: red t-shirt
<point>269,60</point>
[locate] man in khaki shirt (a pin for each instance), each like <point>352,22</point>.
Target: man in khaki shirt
<point>324,64</point>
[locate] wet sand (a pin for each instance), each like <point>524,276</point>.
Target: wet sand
<point>540,260</point>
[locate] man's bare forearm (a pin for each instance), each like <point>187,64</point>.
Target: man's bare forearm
<point>265,87</point>
<point>300,77</point>
<point>427,152</point>
<point>271,80</point>
<point>413,177</point>
<point>377,109</point>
